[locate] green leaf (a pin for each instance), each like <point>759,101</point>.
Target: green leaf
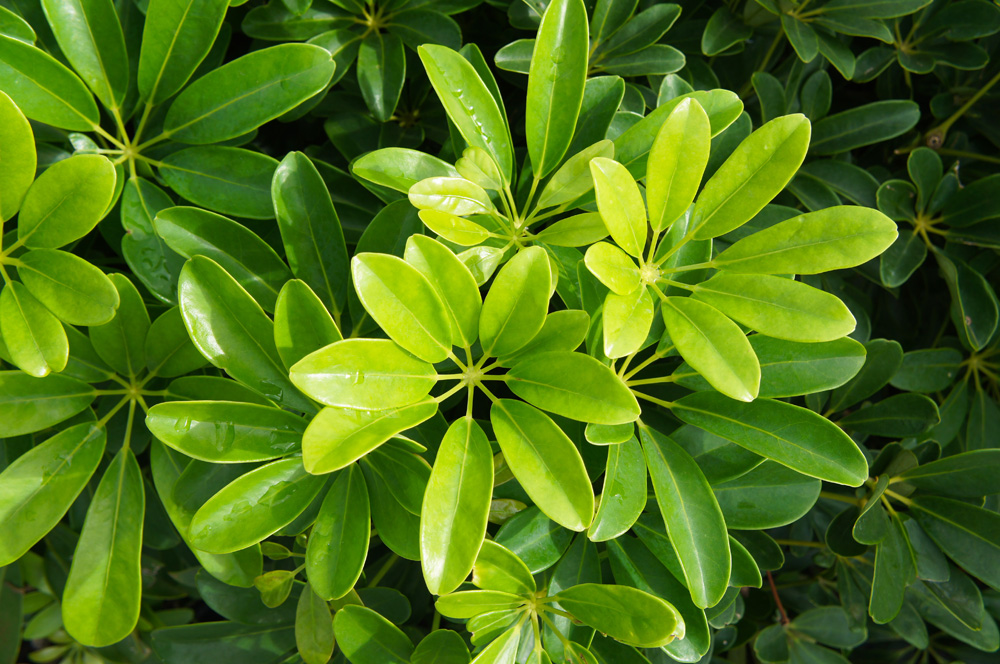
<point>381,71</point>
<point>692,516</point>
<point>577,231</point>
<point>40,486</point>
<point>623,496</point>
<point>545,461</point>
<point>498,568</point>
<point>882,360</point>
<point>792,436</point>
<point>974,307</point>
<point>101,602</point>
<point>714,345</point>
<point>453,228</point>
<point>338,543</point>
<point>471,603</point>
<point>404,304</point>
<point>767,496</point>
<point>455,507</point>
<point>150,259</point>
<point>965,475</point>
<point>574,178</point>
<point>339,436</point>
<point>371,374</point>
<point>928,370</point>
<point>122,341</point>
<point>626,614</point>
<point>226,431</point>
<point>676,163</point>
<point>863,125</point>
<point>18,168</point>
<point>613,267</point>
<point>301,323</point>
<point>573,385</point>
<point>311,230</point>
<point>469,104</point>
<point>177,36</point>
<point>441,647</point>
<point>44,89</point>
<point>66,201</point>
<point>232,331</point>
<point>555,83</point>
<point>243,94</point>
<point>223,179</point>
<point>620,204</point>
<point>314,636</point>
<point>894,570</point>
<point>225,641</point>
<point>90,35</point>
<point>29,404</point>
<point>251,261</point>
<point>254,506</point>
<point>514,310</point>
<point>968,534</point>
<point>831,239</point>
<point>627,320</point>
<point>754,173</point>
<point>35,339</point>
<point>453,282</point>
<point>898,416</point>
<point>778,307</point>
<point>70,287</point>
<point>365,637</point>
<point>400,168</point>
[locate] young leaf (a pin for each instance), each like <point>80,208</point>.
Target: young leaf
<point>314,636</point>
<point>18,168</point>
<point>629,615</point>
<point>676,163</point>
<point>498,568</point>
<point>35,339</point>
<point>301,323</point>
<point>515,308</point>
<point>627,321</point>
<point>29,404</point>
<point>454,283</point>
<point>70,287</point>
<point>103,591</point>
<point>555,83</point>
<point>714,345</point>
<point>623,495</point>
<point>620,204</point>
<point>455,507</point>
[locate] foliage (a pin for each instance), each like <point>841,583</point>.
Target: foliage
<point>624,332</point>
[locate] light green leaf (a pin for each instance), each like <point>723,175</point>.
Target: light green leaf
<point>456,196</point>
<point>754,173</point>
<point>66,201</point>
<point>627,320</point>
<point>339,436</point>
<point>456,506</point>
<point>314,636</point>
<point>613,267</point>
<point>555,83</point>
<point>338,543</point>
<point>400,168</point>
<point>17,170</point>
<point>830,239</point>
<point>692,516</point>
<point>404,304</point>
<point>577,231</point>
<point>103,591</point>
<point>515,308</point>
<point>620,204</point>
<point>778,307</point>
<point>451,227</point>
<point>545,461</point>
<point>243,94</point>
<point>34,338</point>
<point>301,323</point>
<point>70,287</point>
<point>29,404</point>
<point>223,179</point>
<point>370,374</point>
<point>44,89</point>
<point>795,437</point>
<point>626,614</point>
<point>573,385</point>
<point>38,488</point>
<point>499,568</point>
<point>714,345</point>
<point>254,506</point>
<point>177,36</point>
<point>676,163</point>
<point>365,637</point>
<point>453,282</point>
<point>226,431</point>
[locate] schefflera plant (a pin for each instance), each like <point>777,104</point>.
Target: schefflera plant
<point>483,201</point>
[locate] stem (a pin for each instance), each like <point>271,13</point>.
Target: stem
<point>659,402</point>
<point>935,137</point>
<point>645,363</point>
<point>111,139</point>
<point>777,600</point>
<point>651,381</point>
<point>842,498</point>
<point>895,496</point>
<point>111,413</point>
<point>128,426</point>
<point>968,155</point>
<point>449,392</point>
<point>142,122</point>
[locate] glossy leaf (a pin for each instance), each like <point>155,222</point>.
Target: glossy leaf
<point>627,614</point>
<point>338,543</point>
<point>620,204</point>
<point>514,310</point>
<point>66,201</point>
<point>18,168</point>
<point>677,160</point>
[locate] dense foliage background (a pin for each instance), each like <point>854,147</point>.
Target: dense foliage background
<point>191,472</point>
